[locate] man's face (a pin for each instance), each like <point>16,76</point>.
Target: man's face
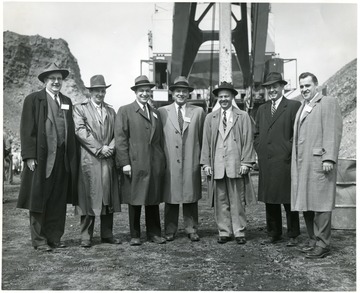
<point>143,94</point>
<point>98,95</point>
<point>275,91</point>
<point>225,98</point>
<point>53,82</point>
<point>308,88</point>
<point>180,95</point>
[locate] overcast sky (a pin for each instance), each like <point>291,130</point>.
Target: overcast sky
<point>111,38</point>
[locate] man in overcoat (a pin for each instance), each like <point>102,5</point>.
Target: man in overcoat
<point>49,150</point>
<point>227,155</point>
<point>140,160</point>
<point>317,136</point>
<point>273,144</point>
<point>183,125</point>
<point>98,180</point>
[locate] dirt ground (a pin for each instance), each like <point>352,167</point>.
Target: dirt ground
<point>179,265</point>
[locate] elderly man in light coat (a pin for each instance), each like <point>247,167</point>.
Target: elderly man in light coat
<point>98,180</point>
<point>183,125</point>
<point>317,135</point>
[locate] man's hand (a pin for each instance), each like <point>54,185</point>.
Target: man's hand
<point>106,152</point>
<point>31,163</point>
<point>328,166</point>
<point>127,170</point>
<point>244,170</point>
<point>207,170</point>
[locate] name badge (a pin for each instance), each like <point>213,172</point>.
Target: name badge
<point>65,107</point>
<point>308,108</point>
<point>187,119</point>
<point>154,114</point>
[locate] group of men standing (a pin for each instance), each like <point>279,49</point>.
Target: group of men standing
<point>90,156</point>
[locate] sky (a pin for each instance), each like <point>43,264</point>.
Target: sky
<point>111,38</point>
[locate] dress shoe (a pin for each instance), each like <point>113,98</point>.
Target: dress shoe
<point>271,240</point>
<point>318,252</point>
<point>169,237</point>
<point>57,244</point>
<point>194,237</point>
<point>292,242</point>
<point>43,248</point>
<point>135,242</point>
<point>157,239</point>
<point>240,240</point>
<point>111,240</point>
<point>223,239</point>
<point>85,243</point>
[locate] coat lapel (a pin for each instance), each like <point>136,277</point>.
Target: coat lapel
<point>188,113</point>
<point>280,109</point>
<point>312,105</point>
<point>215,122</point>
<point>173,116</point>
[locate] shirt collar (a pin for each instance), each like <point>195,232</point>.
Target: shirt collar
<point>182,107</point>
<point>309,101</point>
<point>96,105</point>
<point>140,105</point>
<point>228,111</point>
<point>278,101</point>
<point>52,95</point>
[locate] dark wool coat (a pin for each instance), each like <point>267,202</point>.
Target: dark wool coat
<point>273,144</point>
<point>34,145</point>
<point>139,143</point>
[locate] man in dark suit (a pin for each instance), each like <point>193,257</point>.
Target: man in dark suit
<point>48,147</point>
<point>273,144</point>
<point>140,160</point>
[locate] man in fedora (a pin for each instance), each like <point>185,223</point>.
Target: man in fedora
<point>140,160</point>
<point>273,144</point>
<point>227,155</point>
<point>48,148</point>
<point>183,125</point>
<point>98,180</point>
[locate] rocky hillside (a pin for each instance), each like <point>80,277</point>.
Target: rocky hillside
<point>24,58</point>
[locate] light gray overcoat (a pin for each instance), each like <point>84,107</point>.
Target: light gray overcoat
<point>317,136</point>
<point>98,179</point>
<point>182,183</point>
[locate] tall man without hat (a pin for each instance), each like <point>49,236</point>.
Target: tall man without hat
<point>183,127</point>
<point>98,179</point>
<point>49,149</point>
<point>273,144</point>
<point>317,136</point>
<point>140,160</point>
<point>227,155</point>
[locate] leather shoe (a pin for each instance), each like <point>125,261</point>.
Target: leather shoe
<point>194,237</point>
<point>271,240</point>
<point>43,248</point>
<point>318,252</point>
<point>57,244</point>
<point>157,239</point>
<point>240,240</point>
<point>223,239</point>
<point>85,243</point>
<point>111,240</point>
<point>169,237</point>
<point>135,242</point>
<point>292,242</point>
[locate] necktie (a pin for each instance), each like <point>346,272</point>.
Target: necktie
<point>224,121</point>
<point>273,109</point>
<point>57,99</point>
<point>144,109</point>
<point>180,119</point>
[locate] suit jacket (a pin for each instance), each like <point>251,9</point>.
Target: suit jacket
<point>36,129</point>
<point>98,178</point>
<point>317,136</point>
<point>243,155</point>
<point>139,143</point>
<point>182,182</point>
<point>273,144</point>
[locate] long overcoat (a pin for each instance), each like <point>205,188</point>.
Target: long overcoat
<point>139,143</point>
<point>34,145</point>
<point>182,181</point>
<point>273,144</point>
<point>98,179</point>
<point>243,134</point>
<point>317,136</point>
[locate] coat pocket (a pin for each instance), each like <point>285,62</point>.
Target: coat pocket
<point>318,151</point>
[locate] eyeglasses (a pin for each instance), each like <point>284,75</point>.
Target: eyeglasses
<point>54,78</point>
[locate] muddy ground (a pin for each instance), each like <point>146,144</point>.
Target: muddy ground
<point>179,265</point>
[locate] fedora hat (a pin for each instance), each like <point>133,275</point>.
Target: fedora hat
<point>97,81</point>
<point>142,80</point>
<point>181,82</point>
<point>51,68</point>
<point>225,86</point>
<point>274,77</point>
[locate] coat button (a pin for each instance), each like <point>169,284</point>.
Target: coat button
<point>178,161</point>
<point>177,147</point>
<point>176,132</point>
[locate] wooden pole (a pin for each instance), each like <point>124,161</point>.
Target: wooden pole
<point>225,66</point>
